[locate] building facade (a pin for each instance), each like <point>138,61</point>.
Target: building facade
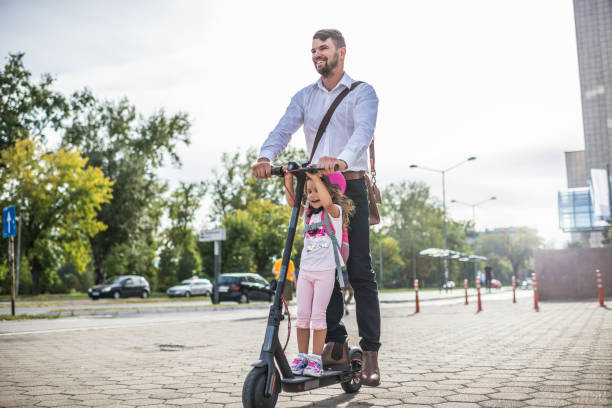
<point>593,19</point>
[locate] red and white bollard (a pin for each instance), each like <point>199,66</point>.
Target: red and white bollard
<point>465,284</point>
<point>478,294</point>
<point>416,294</point>
<point>600,289</point>
<point>535,293</point>
<point>513,289</point>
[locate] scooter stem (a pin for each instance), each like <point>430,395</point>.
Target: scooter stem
<point>271,349</point>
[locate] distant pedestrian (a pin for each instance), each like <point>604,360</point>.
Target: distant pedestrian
<point>488,277</point>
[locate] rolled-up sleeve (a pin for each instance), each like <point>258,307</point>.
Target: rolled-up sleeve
<point>291,121</point>
<point>364,117</point>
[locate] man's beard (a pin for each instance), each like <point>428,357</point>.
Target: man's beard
<point>326,69</point>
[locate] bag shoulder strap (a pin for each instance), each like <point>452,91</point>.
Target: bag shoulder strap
<point>372,161</point>
<point>328,116</point>
<point>325,223</point>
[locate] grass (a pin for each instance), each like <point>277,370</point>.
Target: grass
<point>59,299</point>
<point>118,308</point>
<point>29,316</point>
<point>46,296</point>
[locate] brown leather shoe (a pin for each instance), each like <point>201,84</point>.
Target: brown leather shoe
<point>335,354</point>
<point>370,373</point>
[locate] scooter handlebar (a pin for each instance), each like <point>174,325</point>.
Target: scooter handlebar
<point>294,168</point>
<point>277,171</point>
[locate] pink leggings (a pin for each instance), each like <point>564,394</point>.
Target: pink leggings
<point>314,289</point>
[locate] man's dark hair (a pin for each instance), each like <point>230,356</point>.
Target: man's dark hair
<point>335,35</point>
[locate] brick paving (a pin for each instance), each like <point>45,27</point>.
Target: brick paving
<point>446,356</point>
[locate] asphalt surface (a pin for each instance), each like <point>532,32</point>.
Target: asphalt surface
<point>85,307</point>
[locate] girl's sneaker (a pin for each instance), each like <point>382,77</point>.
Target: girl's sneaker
<point>314,367</point>
<point>299,364</point>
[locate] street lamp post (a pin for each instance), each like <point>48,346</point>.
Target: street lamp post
<point>474,207</point>
<point>18,260</point>
<point>443,172</point>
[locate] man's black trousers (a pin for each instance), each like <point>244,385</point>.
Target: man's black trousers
<point>361,276</point>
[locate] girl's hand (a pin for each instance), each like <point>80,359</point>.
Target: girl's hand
<point>311,175</point>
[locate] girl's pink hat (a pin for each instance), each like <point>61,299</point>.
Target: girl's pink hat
<point>338,179</point>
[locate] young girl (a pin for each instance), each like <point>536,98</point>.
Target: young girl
<point>324,198</point>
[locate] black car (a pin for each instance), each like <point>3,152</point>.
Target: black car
<point>121,287</point>
<point>243,287</point>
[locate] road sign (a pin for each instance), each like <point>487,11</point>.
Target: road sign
<point>217,234</point>
<point>8,222</point>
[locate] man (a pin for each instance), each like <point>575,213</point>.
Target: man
<point>288,289</point>
<point>344,144</point>
<point>488,277</point>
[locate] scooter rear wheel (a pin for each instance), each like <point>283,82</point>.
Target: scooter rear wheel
<point>253,390</point>
<point>354,384</point>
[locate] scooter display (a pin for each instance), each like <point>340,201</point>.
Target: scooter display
<point>272,372</point>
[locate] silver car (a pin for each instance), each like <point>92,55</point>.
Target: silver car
<point>191,287</point>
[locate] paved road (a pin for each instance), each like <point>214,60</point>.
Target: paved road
<point>446,356</point>
<point>83,307</point>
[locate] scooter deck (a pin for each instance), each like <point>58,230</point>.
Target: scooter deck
<point>329,377</point>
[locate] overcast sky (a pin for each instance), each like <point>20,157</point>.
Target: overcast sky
<point>493,79</point>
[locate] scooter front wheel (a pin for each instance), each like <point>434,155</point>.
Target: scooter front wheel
<point>354,384</point>
<point>254,387</point>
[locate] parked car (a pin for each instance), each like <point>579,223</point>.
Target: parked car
<point>191,287</point>
<point>495,284</point>
<point>243,287</point>
<point>121,287</point>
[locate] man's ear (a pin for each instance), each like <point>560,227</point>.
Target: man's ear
<point>343,52</point>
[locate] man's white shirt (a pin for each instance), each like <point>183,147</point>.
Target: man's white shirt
<point>348,133</point>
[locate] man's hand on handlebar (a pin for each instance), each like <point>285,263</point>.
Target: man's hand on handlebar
<point>262,168</point>
<point>331,164</point>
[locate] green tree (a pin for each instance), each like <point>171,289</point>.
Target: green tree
<point>234,186</point>
<point>182,206</point>
<point>255,235</point>
<point>515,245</point>
<point>237,253</point>
<point>27,109</point>
<point>179,258</point>
<point>61,199</point>
<point>269,222</point>
<point>413,217</point>
<point>253,212</point>
<point>128,148</point>
<point>393,267</point>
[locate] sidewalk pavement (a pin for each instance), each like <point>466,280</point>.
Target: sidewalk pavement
<point>446,356</point>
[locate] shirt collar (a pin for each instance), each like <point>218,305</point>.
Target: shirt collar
<point>346,80</point>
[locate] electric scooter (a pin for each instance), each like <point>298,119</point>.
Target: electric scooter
<point>272,371</point>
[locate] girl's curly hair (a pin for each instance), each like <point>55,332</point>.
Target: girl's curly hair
<point>347,205</point>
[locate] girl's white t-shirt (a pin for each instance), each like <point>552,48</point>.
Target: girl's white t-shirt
<point>318,254</point>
